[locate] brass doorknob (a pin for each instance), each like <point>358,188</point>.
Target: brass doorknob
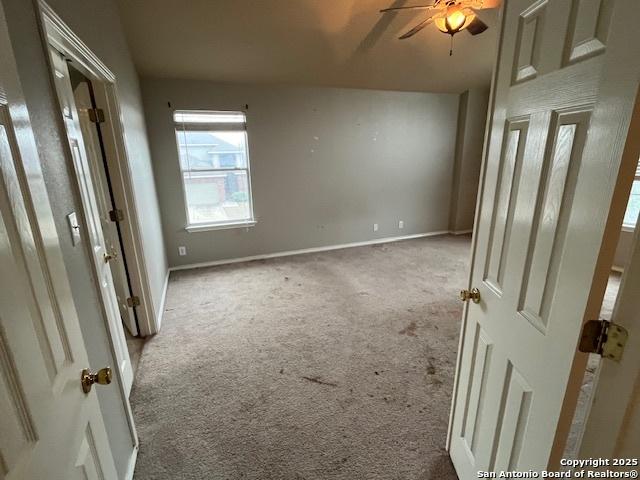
<point>109,256</point>
<point>473,295</point>
<point>101,377</point>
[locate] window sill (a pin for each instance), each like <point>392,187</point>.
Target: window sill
<point>628,228</point>
<point>219,226</point>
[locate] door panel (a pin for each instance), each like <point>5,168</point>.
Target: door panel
<point>53,340</point>
<point>507,191</point>
<point>589,29</point>
<point>550,216</point>
<point>553,152</point>
<point>41,348</point>
<point>91,218</point>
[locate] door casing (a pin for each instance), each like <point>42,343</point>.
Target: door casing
<point>58,35</point>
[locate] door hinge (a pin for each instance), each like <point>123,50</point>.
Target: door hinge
<point>116,215</point>
<point>133,301</point>
<point>96,115</point>
<point>604,338</point>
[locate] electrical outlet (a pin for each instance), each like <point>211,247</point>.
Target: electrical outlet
<point>375,227</point>
<point>182,251</point>
<point>400,224</point>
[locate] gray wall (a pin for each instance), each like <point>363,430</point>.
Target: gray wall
<point>326,165</point>
<point>96,21</point>
<point>472,117</point>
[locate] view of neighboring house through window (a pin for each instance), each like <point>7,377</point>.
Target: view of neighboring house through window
<point>633,207</point>
<point>214,161</point>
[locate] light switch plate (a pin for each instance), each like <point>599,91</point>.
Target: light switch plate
<point>74,227</point>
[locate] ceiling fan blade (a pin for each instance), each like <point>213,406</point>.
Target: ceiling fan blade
<point>413,7</point>
<point>476,26</point>
<point>417,28</point>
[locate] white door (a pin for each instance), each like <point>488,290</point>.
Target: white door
<point>99,252</point>
<point>565,82</point>
<point>92,143</point>
<point>50,428</point>
<point>613,423</point>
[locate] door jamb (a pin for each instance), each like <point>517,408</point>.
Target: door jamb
<point>57,34</point>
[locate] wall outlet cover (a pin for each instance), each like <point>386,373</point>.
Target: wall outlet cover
<point>182,251</point>
<point>400,224</point>
<point>375,227</point>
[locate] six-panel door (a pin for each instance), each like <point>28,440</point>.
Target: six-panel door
<point>555,141</point>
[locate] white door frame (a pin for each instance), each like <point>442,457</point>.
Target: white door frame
<point>57,34</point>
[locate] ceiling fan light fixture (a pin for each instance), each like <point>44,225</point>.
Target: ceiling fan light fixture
<point>454,22</point>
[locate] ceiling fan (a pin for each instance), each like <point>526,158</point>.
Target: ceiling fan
<point>449,16</point>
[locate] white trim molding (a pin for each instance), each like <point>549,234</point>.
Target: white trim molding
<point>163,299</point>
<point>132,464</point>
<point>219,226</point>
<point>306,250</point>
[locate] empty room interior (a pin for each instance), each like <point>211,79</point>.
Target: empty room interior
<point>306,240</point>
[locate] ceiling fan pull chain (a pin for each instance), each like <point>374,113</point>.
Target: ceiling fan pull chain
<point>451,47</point>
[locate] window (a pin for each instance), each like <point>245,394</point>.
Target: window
<point>214,162</point>
<point>633,207</point>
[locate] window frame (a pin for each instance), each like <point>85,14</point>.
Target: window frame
<point>630,227</point>
<point>181,127</point>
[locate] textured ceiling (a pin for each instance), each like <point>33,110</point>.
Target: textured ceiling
<point>345,43</point>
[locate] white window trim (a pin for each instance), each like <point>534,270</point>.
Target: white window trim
<point>214,126</point>
<point>218,226</point>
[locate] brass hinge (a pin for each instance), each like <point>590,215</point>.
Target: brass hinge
<point>96,115</point>
<point>133,301</point>
<point>604,338</point>
<point>116,215</point>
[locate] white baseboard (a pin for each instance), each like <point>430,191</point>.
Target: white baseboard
<point>163,299</point>
<point>461,232</point>
<point>306,250</point>
<point>131,468</point>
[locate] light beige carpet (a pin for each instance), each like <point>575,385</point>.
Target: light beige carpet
<point>336,365</point>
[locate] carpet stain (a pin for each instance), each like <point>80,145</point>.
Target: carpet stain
<point>431,368</point>
<point>409,330</point>
<point>319,381</point>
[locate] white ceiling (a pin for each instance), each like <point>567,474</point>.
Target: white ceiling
<point>345,43</point>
